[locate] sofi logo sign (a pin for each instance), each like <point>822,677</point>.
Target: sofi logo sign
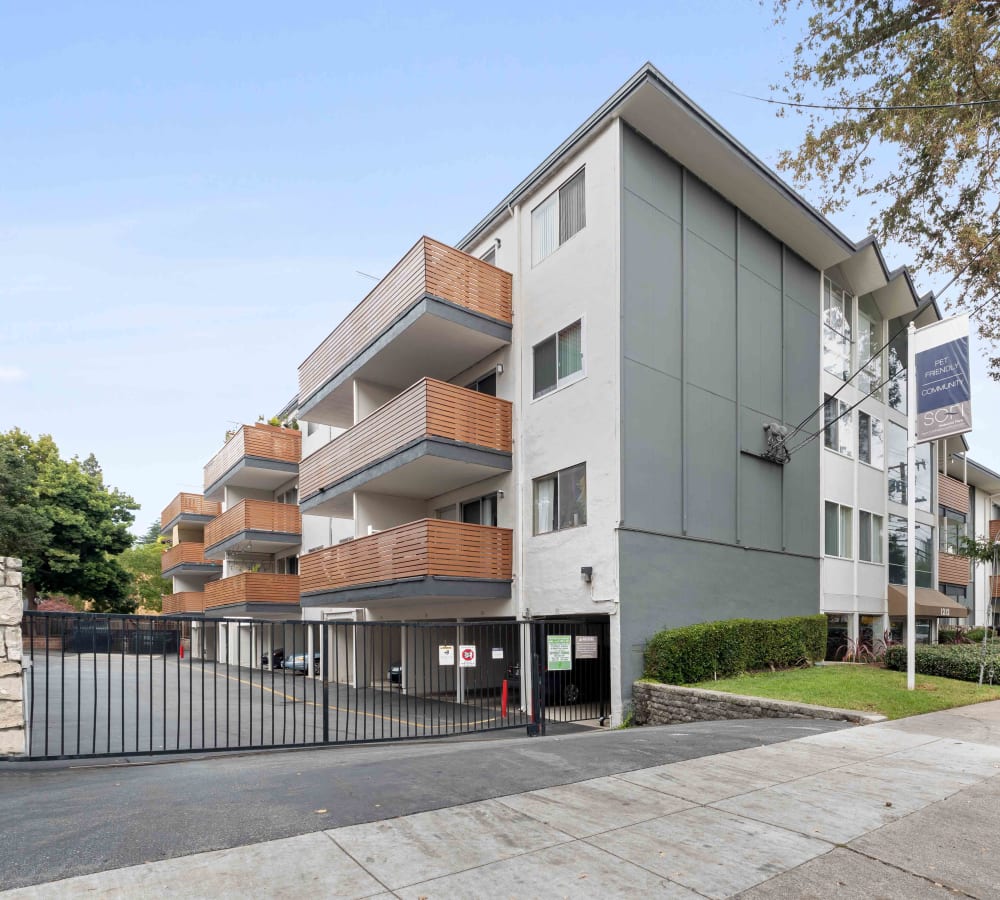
<point>944,399</point>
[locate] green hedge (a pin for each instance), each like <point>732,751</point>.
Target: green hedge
<point>959,661</point>
<point>720,649</point>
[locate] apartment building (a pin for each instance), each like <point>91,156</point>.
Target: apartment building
<point>575,411</point>
<point>983,596</point>
<point>183,523</point>
<point>567,413</point>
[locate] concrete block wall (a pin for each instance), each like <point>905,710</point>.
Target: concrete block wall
<point>11,694</point>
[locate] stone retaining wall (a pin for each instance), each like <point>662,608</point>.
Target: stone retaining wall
<point>667,704</point>
<point>11,705</point>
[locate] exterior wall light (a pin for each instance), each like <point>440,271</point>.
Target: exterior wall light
<point>587,573</point>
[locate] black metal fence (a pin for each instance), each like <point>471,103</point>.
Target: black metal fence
<point>110,685</point>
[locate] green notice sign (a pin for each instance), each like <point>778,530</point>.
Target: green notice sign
<point>560,652</point>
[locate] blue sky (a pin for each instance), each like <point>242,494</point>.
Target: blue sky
<point>188,190</point>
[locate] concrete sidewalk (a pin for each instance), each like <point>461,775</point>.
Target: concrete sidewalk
<point>896,810</point>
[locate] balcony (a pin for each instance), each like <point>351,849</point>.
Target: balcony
<point>426,560</point>
<point>953,493</point>
<point>432,438</point>
<point>253,593</point>
<point>438,312</point>
<point>184,603</point>
<point>188,558</point>
<point>953,569</point>
<point>188,509</point>
<point>995,587</point>
<point>257,456</point>
<point>254,526</point>
<point>995,530</point>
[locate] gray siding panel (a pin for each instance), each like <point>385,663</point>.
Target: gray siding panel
<point>680,582</point>
<point>710,283</point>
<point>652,488</point>
<point>652,282</point>
<point>720,336</point>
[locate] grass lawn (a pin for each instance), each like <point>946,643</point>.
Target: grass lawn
<point>858,687</point>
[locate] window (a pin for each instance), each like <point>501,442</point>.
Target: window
<point>869,349</point>
<point>481,511</point>
<point>558,358</point>
<point>837,314</point>
<point>897,552</point>
<point>951,530</point>
<point>558,217</point>
<point>871,441</point>
<point>490,256</point>
<point>957,592</point>
<point>311,428</point>
<point>897,368</point>
<point>837,426</point>
<point>486,384</point>
<point>869,537</point>
<point>561,500</point>
<point>290,496</point>
<point>838,530</point>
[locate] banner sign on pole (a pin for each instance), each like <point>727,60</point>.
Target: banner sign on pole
<point>560,652</point>
<point>944,402</point>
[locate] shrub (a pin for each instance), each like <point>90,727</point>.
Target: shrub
<point>720,649</point>
<point>960,661</point>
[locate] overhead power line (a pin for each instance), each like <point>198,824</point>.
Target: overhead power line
<point>958,104</point>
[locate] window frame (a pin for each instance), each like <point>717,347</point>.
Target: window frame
<point>841,510</point>
<point>880,467</point>
<point>872,545</point>
<point>555,478</point>
<point>943,517</point>
<point>832,293</point>
<point>842,424</point>
<point>557,193</point>
<point>565,380</point>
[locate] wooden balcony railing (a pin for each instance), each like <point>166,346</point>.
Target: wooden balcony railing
<point>252,587</point>
<point>259,440</point>
<point>254,515</point>
<point>995,530</point>
<point>953,493</point>
<point>183,602</point>
<point>953,569</point>
<point>190,552</point>
<point>192,504</point>
<point>418,549</point>
<point>429,267</point>
<point>994,586</point>
<point>429,408</point>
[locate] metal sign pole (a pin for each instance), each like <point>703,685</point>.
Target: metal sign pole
<point>911,508</point>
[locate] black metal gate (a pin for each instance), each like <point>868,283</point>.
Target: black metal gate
<point>114,685</point>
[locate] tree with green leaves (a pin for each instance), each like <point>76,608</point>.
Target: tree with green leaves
<point>80,525</point>
<point>142,561</point>
<point>981,551</point>
<point>152,534</point>
<point>903,106</point>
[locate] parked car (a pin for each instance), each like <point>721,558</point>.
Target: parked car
<point>297,662</point>
<point>276,660</point>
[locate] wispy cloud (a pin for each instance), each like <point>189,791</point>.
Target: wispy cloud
<point>11,373</point>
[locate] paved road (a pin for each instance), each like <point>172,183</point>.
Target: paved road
<point>87,819</point>
<point>898,811</point>
<point>92,704</point>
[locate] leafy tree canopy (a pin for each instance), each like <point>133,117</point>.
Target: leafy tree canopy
<point>142,562</point>
<point>79,525</point>
<point>930,163</point>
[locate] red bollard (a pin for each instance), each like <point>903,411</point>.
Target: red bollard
<point>503,700</point>
<point>182,650</point>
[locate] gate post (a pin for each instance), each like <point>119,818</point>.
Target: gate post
<point>12,730</point>
<point>324,665</point>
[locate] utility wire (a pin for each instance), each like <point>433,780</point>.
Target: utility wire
<point>958,104</point>
<point>916,313</point>
<point>816,434</point>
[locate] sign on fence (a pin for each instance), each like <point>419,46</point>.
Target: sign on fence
<point>559,652</point>
<point>467,656</point>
